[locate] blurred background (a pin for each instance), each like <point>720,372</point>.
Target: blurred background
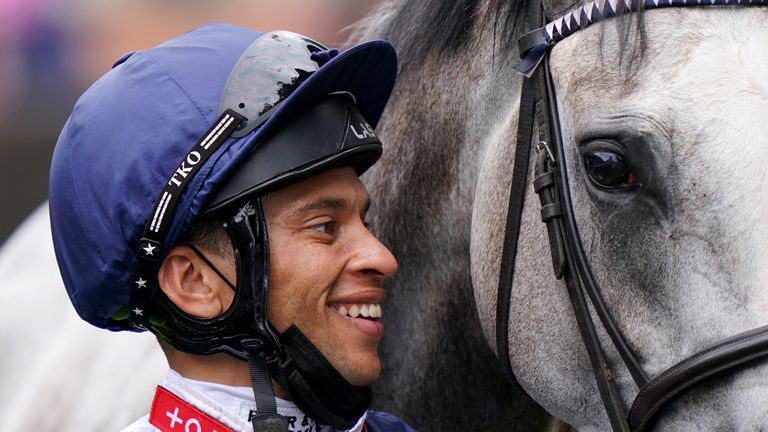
<point>52,50</point>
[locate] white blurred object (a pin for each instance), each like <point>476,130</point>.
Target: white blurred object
<point>57,372</point>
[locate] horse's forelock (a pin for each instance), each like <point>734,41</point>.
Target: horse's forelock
<point>437,26</point>
<point>417,28</point>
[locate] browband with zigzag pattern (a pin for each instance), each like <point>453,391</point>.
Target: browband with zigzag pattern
<point>533,45</point>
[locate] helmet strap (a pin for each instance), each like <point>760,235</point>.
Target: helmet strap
<point>266,418</point>
<point>315,386</point>
<point>312,383</point>
<point>300,369</point>
<point>208,262</point>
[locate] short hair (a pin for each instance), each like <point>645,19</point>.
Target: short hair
<point>211,235</point>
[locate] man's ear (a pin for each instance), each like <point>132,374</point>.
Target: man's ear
<point>192,285</point>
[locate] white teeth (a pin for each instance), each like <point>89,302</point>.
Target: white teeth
<point>354,311</point>
<point>361,310</point>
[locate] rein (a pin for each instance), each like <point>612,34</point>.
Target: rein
<point>538,109</point>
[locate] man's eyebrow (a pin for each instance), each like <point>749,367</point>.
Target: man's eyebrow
<point>323,204</point>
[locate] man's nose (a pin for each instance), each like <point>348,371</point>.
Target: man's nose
<point>372,257</point>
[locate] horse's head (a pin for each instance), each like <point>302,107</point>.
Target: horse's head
<point>664,140</point>
<point>662,125</point>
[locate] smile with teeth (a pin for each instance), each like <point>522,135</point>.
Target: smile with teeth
<point>368,310</point>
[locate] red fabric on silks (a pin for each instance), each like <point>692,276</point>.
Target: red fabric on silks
<point>170,413</point>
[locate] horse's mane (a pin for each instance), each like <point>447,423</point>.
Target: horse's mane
<point>418,27</point>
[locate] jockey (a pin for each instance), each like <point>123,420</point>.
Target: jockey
<point>206,190</point>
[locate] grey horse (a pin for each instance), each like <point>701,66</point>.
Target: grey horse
<point>679,253</point>
<point>674,99</point>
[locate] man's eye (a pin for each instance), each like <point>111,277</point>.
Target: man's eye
<point>325,228</point>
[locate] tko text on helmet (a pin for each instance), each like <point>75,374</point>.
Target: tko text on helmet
<point>192,159</point>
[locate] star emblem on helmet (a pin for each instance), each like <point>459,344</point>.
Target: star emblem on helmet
<point>138,312</point>
<point>141,283</point>
<point>149,249</point>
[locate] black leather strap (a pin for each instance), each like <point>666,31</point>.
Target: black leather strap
<point>544,180</point>
<point>601,368</point>
<point>524,138</point>
<point>512,229</point>
<point>736,351</point>
<point>544,185</point>
<point>530,40</point>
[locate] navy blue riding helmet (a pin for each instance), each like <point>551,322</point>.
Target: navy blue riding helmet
<point>205,124</point>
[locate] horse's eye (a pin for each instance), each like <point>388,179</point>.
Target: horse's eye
<point>608,169</point>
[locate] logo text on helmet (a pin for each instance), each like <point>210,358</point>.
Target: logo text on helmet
<point>192,159</point>
<point>367,131</point>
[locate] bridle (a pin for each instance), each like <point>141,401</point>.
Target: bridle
<point>538,106</point>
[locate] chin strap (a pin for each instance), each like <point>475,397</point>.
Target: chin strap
<point>266,418</point>
<point>312,383</point>
<point>316,387</point>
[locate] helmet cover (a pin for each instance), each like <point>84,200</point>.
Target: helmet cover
<point>129,131</point>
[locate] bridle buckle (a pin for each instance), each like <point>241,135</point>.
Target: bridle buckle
<point>543,146</point>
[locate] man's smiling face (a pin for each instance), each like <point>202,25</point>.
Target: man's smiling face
<point>327,270</point>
